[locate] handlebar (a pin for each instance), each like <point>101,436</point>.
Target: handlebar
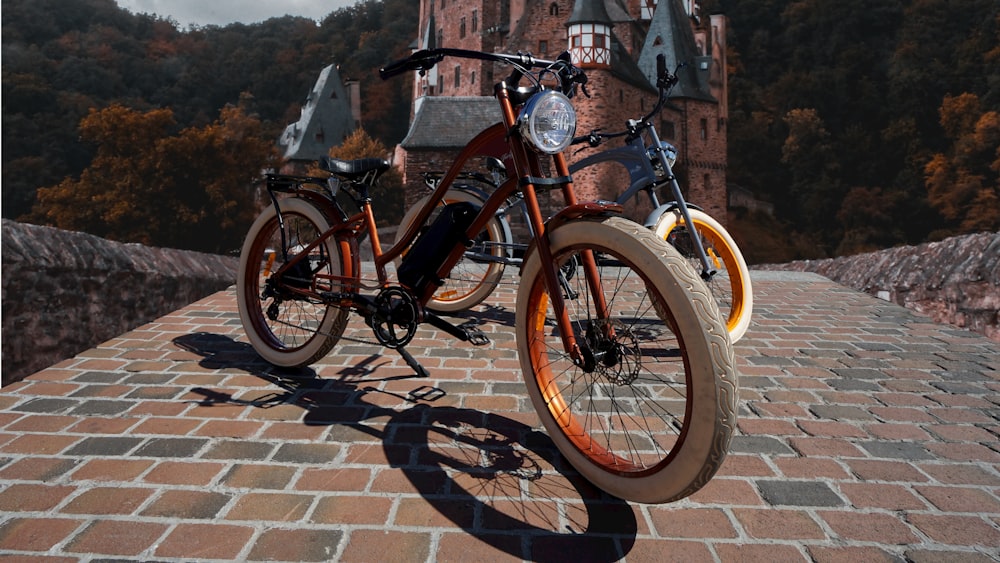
<point>665,81</point>
<point>425,59</point>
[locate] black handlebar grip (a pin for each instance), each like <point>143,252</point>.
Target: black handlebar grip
<point>394,69</point>
<point>421,60</point>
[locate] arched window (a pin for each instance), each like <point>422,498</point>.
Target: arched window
<point>553,9</point>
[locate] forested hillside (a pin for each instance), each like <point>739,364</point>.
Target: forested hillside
<point>64,58</point>
<point>866,124</point>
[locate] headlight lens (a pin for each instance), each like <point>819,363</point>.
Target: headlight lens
<point>549,121</point>
<point>668,151</point>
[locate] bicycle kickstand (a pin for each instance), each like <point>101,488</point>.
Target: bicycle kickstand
<point>420,370</point>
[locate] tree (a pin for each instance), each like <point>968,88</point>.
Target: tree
<point>147,183</point>
<point>963,184</point>
<point>814,192</point>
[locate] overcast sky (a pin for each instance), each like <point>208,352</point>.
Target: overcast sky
<point>222,12</point>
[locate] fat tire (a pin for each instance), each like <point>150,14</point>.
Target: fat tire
<point>736,303</point>
<point>683,305</point>
<point>265,335</point>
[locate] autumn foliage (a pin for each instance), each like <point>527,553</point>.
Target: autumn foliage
<point>151,184</point>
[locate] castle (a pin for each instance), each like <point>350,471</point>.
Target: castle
<point>617,42</point>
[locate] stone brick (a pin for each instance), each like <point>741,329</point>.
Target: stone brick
<point>35,534</point>
<point>259,476</point>
<point>297,545</point>
<point>238,449</point>
<point>108,500</point>
<point>869,527</point>
<point>759,552</point>
<point>881,495</point>
<point>183,473</point>
<point>118,470</point>
<point>823,554</point>
<point>961,499</point>
<point>270,506</point>
<point>779,524</point>
<point>116,537</point>
<point>205,541</point>
<point>882,470</point>
<point>25,497</point>
<point>351,509</point>
<point>104,446</point>
<point>198,505</point>
<point>386,546</point>
<point>957,530</point>
<point>798,493</point>
<point>691,523</point>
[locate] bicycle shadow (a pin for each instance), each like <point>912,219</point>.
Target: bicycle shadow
<point>496,478</point>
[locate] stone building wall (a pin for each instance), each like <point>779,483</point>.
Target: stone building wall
<point>65,292</point>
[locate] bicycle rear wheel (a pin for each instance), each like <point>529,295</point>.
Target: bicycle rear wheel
<point>284,327</point>
<point>477,274</point>
<point>649,414</point>
<point>731,285</point>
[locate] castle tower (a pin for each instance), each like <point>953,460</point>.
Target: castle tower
<point>695,121</point>
<point>617,42</point>
<point>589,33</point>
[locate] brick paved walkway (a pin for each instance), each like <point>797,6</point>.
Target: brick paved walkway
<point>867,434</point>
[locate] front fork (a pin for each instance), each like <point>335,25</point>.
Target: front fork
<point>554,281</point>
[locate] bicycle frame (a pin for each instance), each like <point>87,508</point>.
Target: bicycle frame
<point>524,173</point>
<point>634,156</point>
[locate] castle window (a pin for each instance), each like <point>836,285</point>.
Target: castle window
<point>440,41</point>
<point>475,21</point>
<point>442,4</point>
<point>458,76</point>
<point>543,47</point>
<point>472,77</point>
<point>667,129</point>
<point>704,129</point>
<point>461,28</point>
<point>553,9</point>
<point>440,84</point>
<point>621,95</point>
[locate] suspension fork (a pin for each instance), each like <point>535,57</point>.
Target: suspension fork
<point>708,270</point>
<point>529,173</point>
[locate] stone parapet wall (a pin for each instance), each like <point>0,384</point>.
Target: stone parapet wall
<point>955,281</point>
<point>65,292</point>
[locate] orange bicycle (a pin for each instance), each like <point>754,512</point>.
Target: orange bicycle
<point>624,352</point>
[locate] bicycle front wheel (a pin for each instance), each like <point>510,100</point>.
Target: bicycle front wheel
<point>479,271</point>
<point>286,328</point>
<point>731,285</point>
<point>648,414</point>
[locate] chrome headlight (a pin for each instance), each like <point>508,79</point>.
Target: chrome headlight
<point>668,151</point>
<point>548,120</point>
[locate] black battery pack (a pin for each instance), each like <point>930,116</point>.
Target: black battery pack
<point>420,265</point>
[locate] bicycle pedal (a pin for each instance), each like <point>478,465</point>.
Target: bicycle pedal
<point>476,336</point>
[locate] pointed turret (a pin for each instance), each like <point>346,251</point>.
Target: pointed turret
<point>670,34</point>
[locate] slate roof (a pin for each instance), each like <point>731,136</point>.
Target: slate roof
<point>325,120</point>
<point>589,11</point>
<point>670,33</point>
<point>446,122</point>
